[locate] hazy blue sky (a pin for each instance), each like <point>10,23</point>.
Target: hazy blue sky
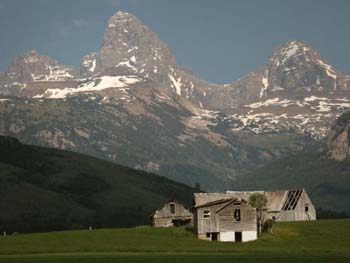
<point>221,40</point>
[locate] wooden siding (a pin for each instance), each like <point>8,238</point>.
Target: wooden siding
<point>207,225</point>
<point>162,222</point>
<point>228,223</point>
<point>223,220</point>
<point>164,217</point>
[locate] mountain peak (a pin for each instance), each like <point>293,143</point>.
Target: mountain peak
<point>295,43</point>
<point>34,67</point>
<point>32,52</point>
<point>292,50</point>
<point>130,45</point>
<point>121,13</point>
<point>120,18</point>
<point>295,70</point>
<point>30,56</point>
<point>122,25</point>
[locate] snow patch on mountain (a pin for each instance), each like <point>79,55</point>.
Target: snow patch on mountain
<point>314,98</point>
<point>290,51</point>
<point>265,83</point>
<point>270,102</point>
<point>55,73</point>
<point>96,84</point>
<point>90,65</point>
<point>312,115</point>
<point>133,59</point>
<point>31,59</point>
<point>327,67</point>
<point>126,64</point>
<point>176,83</point>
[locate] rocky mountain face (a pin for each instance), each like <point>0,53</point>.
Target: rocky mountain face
<point>295,90</point>
<point>337,143</point>
<point>131,103</point>
<point>129,45</point>
<point>294,71</point>
<point>31,73</point>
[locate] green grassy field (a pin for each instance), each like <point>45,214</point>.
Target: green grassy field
<point>320,241</point>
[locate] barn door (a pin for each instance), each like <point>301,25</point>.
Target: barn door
<point>214,236</point>
<point>238,236</point>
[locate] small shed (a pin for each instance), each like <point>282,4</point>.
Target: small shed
<point>171,214</point>
<point>220,218</point>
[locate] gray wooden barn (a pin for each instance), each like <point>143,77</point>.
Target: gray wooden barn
<point>171,214</point>
<point>284,205</point>
<point>223,218</point>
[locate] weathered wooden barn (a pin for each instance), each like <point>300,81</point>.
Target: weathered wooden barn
<point>172,214</point>
<point>283,205</point>
<point>224,219</point>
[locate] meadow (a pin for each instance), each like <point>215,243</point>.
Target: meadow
<point>319,241</point>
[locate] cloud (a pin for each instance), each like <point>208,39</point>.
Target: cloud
<point>79,22</point>
<point>122,3</point>
<point>66,29</point>
<point>115,3</point>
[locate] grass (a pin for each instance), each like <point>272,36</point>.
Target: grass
<point>320,241</point>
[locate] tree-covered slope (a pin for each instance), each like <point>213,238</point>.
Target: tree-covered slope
<point>44,189</point>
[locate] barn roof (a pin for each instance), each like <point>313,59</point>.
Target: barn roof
<point>216,202</point>
<point>224,202</point>
<point>276,200</point>
<point>233,200</point>
<point>205,198</point>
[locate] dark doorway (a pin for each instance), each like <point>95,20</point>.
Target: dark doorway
<point>214,236</point>
<point>238,236</point>
<point>172,208</point>
<point>181,222</point>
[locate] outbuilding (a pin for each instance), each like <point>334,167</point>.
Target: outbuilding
<point>172,213</point>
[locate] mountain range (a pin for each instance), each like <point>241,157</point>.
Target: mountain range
<point>131,103</point>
